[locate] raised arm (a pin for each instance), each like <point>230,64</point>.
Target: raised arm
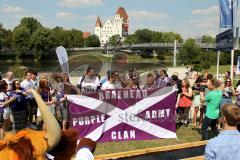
<point>51,124</point>
<point>8,102</point>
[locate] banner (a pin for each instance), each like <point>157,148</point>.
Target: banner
<point>63,59</point>
<point>226,13</point>
<point>123,115</point>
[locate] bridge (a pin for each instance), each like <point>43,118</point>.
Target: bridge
<point>211,46</point>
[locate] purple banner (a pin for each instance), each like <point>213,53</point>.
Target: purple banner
<point>123,115</point>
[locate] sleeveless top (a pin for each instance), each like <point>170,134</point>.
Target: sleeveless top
<point>184,100</point>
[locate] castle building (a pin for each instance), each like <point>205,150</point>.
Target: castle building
<point>116,26</point>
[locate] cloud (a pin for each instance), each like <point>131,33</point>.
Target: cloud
<point>80,3</point>
<point>213,10</point>
<point>11,9</point>
<point>146,15</point>
<point>207,22</point>
<point>66,15</point>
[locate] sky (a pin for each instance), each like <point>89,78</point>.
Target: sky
<point>190,18</point>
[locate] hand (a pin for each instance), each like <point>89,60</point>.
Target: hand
<point>29,91</point>
<point>50,103</point>
<point>176,106</point>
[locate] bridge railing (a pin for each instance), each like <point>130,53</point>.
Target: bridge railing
<point>143,45</point>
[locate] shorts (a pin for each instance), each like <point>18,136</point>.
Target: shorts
<point>51,108</point>
<point>197,101</point>
<point>6,113</point>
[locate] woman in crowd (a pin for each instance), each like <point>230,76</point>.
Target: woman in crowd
<point>19,107</point>
<point>227,92</point>
<point>163,80</point>
<point>226,145</point>
<point>5,112</point>
<point>69,88</point>
<point>150,82</point>
<point>184,102</point>
<point>46,95</point>
<point>237,93</point>
<point>196,99</point>
<point>30,144</point>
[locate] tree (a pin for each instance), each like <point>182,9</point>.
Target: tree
<point>144,35</point>
<point>92,41</point>
<point>131,39</point>
<point>21,40</point>
<point>5,38</point>
<point>206,65</point>
<point>76,38</point>
<point>170,37</point>
<point>68,38</point>
<point>158,37</point>
<point>190,53</point>
<point>31,23</point>
<point>208,39</point>
<point>197,68</point>
<point>112,40</point>
<point>42,42</point>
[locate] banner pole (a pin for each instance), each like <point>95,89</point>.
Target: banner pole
<point>175,53</point>
<point>232,63</point>
<point>218,60</point>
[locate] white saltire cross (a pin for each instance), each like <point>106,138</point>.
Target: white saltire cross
<point>132,111</point>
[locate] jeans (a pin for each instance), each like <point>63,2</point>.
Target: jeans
<point>225,101</point>
<point>31,109</point>
<point>206,123</point>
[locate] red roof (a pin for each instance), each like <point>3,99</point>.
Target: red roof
<point>98,22</point>
<point>86,35</point>
<point>123,14</point>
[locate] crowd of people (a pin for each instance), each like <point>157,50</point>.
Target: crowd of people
<point>19,110</point>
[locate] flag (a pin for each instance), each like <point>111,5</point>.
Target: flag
<point>124,115</point>
<point>63,59</point>
<point>226,13</point>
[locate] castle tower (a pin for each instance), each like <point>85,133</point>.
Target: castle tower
<point>98,27</point>
<point>116,26</point>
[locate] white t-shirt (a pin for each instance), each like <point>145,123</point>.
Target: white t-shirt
<point>27,85</point>
<point>84,154</point>
<point>4,98</point>
<point>9,82</point>
<point>238,89</point>
<point>35,83</point>
<point>109,85</point>
<point>88,85</point>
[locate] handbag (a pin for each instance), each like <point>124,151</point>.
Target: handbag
<point>184,102</point>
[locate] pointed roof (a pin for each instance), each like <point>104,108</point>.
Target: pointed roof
<point>98,22</point>
<point>123,14</point>
<point>86,35</point>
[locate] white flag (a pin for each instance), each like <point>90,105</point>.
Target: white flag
<point>63,59</point>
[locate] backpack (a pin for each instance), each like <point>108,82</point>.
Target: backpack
<point>80,84</point>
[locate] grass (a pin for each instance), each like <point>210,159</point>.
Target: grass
<point>222,69</point>
<point>189,134</point>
